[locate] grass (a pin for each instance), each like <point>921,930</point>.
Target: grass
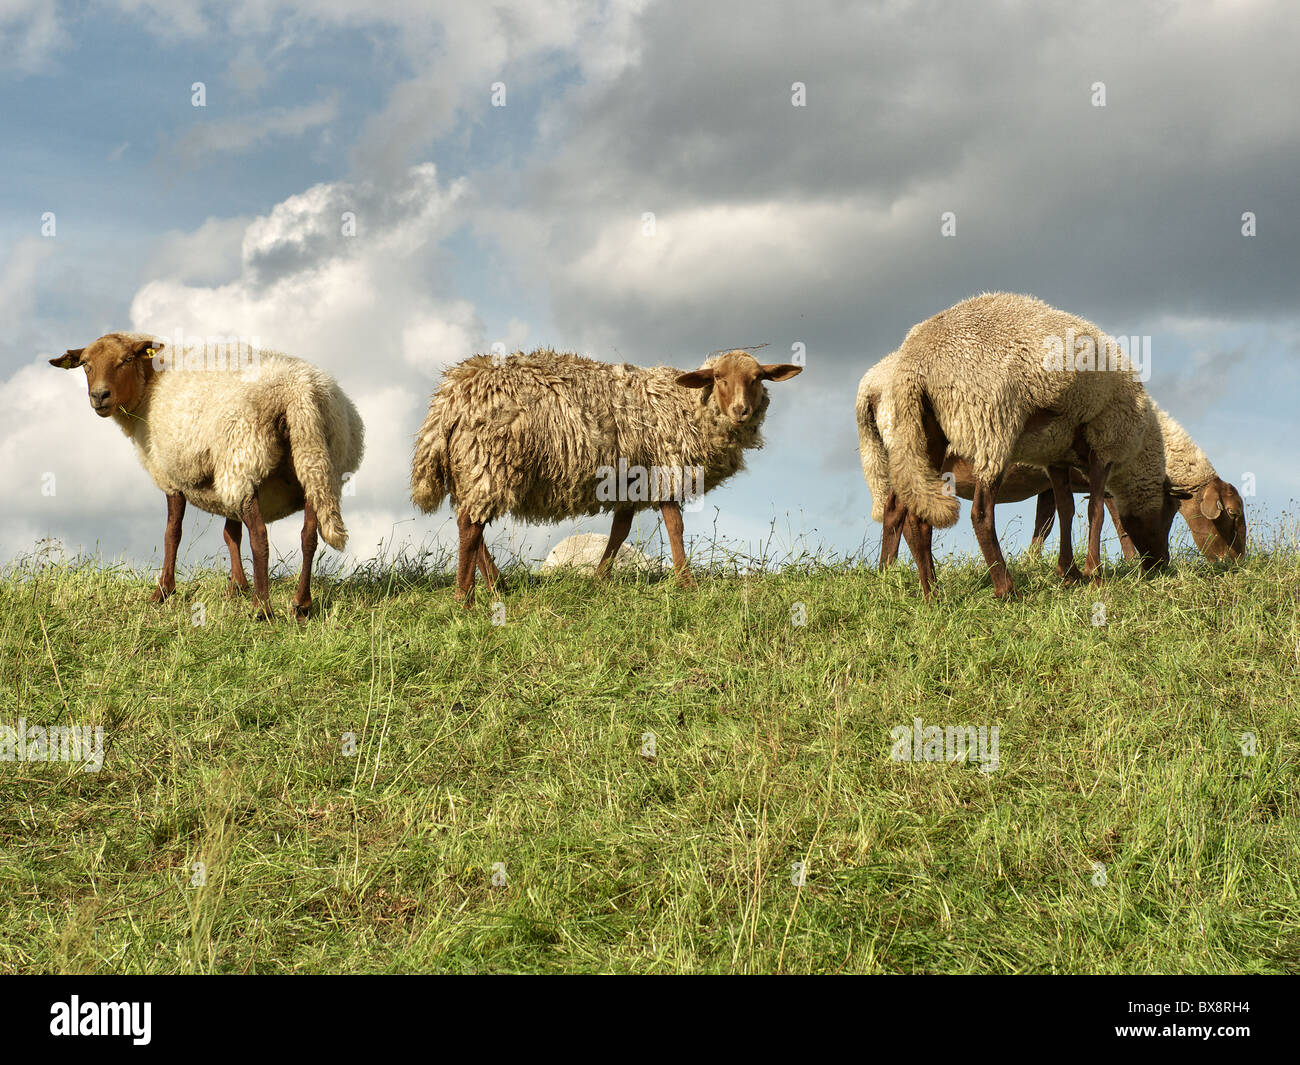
<point>522,743</point>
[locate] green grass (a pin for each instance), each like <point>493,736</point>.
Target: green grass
<point>521,743</point>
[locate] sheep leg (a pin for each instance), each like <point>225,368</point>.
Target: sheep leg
<point>925,533</point>
<point>1064,497</point>
<point>1125,541</point>
<point>171,541</point>
<point>981,517</point>
<point>491,575</point>
<point>673,523</point>
<point>234,535</point>
<point>1044,515</point>
<point>471,539</point>
<point>1097,473</point>
<point>261,550</point>
<point>302,601</point>
<point>617,534</point>
<point>919,536</point>
<point>895,515</point>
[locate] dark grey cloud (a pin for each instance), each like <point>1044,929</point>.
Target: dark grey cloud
<point>914,109</point>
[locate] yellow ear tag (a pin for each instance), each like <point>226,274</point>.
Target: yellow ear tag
<point>150,351</point>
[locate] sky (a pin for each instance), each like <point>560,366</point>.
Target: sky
<point>799,162</point>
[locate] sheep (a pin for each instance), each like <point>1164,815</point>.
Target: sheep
<point>252,439</point>
<point>585,551</point>
<point>547,436</point>
<point>1213,509</point>
<point>1003,378</point>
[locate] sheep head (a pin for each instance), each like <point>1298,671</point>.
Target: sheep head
<point>1216,516</point>
<point>737,380</point>
<point>118,367</point>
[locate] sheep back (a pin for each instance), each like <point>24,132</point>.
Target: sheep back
<point>982,367</point>
<point>217,436</point>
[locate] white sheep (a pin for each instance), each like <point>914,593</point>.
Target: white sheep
<point>250,436</point>
<point>584,552</point>
<point>548,436</point>
<point>1004,379</point>
<point>1213,509</point>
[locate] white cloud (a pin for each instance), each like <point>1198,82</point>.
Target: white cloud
<point>363,307</point>
<point>307,288</point>
<point>431,342</point>
<point>211,254</point>
<point>18,278</point>
<point>234,135</point>
<point>30,31</point>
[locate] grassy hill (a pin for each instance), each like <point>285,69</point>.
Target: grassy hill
<point>1123,830</point>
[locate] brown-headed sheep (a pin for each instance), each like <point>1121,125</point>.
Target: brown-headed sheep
<point>250,436</point>
<point>1000,379</point>
<point>1213,509</point>
<point>547,436</point>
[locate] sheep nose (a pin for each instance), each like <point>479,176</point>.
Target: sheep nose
<point>99,396</point>
<point>740,413</point>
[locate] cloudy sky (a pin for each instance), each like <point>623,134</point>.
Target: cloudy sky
<point>1101,156</point>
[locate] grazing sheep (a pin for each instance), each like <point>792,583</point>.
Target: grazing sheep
<point>548,436</point>
<point>1004,379</point>
<point>251,440</point>
<point>585,551</point>
<point>1214,510</point>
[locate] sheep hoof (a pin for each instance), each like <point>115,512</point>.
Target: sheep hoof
<point>302,611</point>
<point>262,612</point>
<point>234,591</point>
<point>161,594</point>
<point>1073,575</point>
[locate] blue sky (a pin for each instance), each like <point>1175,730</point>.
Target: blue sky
<point>521,224</point>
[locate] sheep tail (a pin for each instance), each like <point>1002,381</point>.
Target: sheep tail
<point>915,481</point>
<point>431,469</point>
<point>313,462</point>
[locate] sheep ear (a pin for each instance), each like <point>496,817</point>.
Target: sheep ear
<point>697,378</point>
<point>779,371</point>
<point>146,349</point>
<point>69,360</point>
<point>1211,504</point>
